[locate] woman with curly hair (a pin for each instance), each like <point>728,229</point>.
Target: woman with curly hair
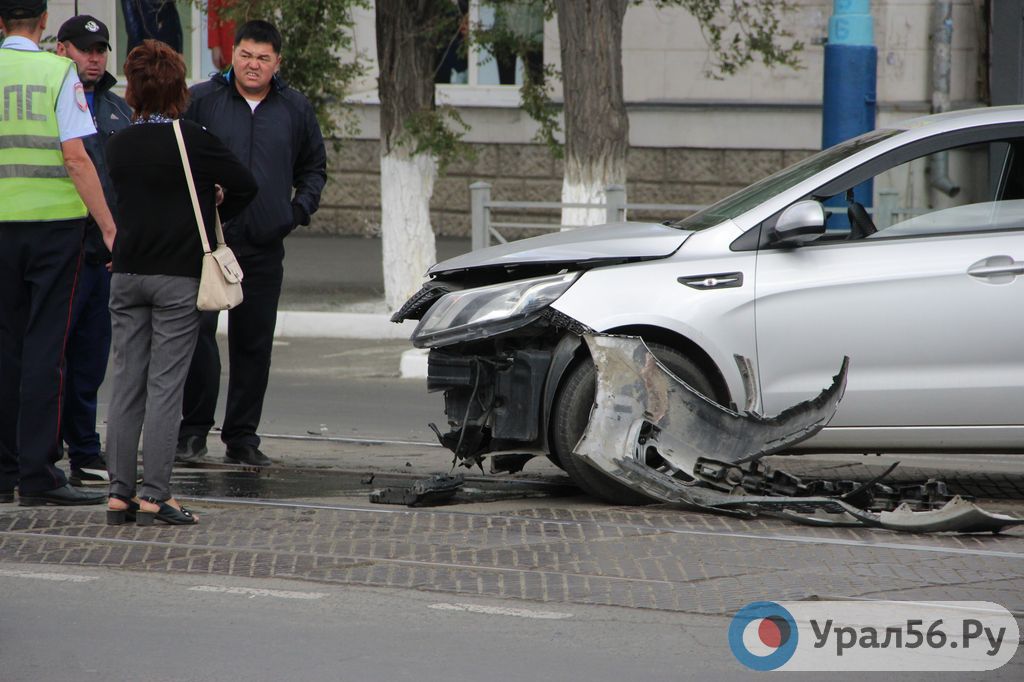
<point>156,267</point>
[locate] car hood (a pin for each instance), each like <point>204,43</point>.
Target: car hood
<point>586,246</point>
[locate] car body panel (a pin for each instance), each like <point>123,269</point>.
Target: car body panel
<point>617,241</point>
<point>932,346</point>
<point>929,314</point>
<point>649,294</point>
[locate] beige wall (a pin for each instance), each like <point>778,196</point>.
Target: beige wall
<point>528,172</point>
<point>694,138</point>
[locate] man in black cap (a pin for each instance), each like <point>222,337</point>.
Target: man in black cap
<point>86,41</point>
<point>48,186</point>
<point>12,10</point>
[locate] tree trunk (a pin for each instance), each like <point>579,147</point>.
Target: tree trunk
<point>596,126</point>
<point>405,54</point>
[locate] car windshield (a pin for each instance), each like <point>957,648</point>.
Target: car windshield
<point>749,197</point>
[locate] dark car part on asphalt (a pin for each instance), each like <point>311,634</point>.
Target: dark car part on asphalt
<point>427,492</point>
<point>656,435</point>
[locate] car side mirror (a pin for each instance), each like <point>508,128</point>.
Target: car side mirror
<point>801,223</point>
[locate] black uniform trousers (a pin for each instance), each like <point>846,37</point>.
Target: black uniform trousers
<point>85,360</point>
<point>38,270</point>
<point>250,342</point>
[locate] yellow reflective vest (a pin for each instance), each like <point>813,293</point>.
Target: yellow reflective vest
<point>34,185</point>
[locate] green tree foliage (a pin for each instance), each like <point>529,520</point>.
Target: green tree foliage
<point>535,91</point>
<point>412,35</point>
<point>737,32</point>
<point>314,34</point>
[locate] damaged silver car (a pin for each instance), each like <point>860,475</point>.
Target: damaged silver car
<point>923,294</point>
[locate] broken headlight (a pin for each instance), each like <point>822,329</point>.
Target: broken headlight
<point>485,311</point>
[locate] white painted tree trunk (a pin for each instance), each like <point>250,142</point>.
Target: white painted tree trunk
<point>406,185</point>
<point>585,183</point>
<point>583,193</point>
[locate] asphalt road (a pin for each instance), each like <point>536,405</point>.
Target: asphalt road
<point>501,590</point>
<point>338,387</point>
<point>77,624</point>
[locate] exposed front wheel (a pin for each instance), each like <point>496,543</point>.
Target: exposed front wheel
<point>571,413</point>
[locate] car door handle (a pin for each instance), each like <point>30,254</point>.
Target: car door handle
<point>997,269</point>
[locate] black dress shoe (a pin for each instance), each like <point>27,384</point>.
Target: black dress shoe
<point>190,449</point>
<point>246,454</point>
<point>63,496</point>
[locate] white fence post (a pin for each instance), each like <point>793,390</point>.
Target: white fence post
<point>479,197</point>
<point>616,203</point>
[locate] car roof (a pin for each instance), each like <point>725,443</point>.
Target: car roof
<point>963,118</point>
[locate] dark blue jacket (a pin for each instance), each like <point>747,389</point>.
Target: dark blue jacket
<point>110,113</point>
<point>282,146</point>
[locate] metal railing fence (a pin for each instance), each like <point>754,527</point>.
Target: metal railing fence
<point>485,228</point>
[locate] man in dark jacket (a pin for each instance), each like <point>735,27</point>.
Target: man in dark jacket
<point>86,41</point>
<point>274,131</point>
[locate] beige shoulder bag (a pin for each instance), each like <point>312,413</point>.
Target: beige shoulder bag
<point>220,284</point>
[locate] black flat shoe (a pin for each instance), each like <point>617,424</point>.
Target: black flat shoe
<point>167,514</point>
<point>117,517</point>
<point>246,454</point>
<point>65,496</point>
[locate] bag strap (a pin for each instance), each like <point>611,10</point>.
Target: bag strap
<point>195,198</point>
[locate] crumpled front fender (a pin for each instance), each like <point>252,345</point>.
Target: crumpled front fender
<point>641,404</point>
<point>655,434</point>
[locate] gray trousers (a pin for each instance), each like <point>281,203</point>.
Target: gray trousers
<point>154,326</point>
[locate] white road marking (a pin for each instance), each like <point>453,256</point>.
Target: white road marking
<point>253,592</point>
<point>501,611</point>
<point>55,577</point>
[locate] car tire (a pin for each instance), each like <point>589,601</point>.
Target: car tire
<point>571,413</point>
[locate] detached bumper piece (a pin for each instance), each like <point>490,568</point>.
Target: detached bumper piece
<point>655,434</point>
<point>427,492</point>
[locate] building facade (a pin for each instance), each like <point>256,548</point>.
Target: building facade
<point>693,138</point>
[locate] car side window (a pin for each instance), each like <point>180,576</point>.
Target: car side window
<point>968,188</point>
<point>984,216</point>
<point>968,185</point>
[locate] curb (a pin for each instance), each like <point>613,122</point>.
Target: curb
<point>309,324</point>
<point>414,363</point>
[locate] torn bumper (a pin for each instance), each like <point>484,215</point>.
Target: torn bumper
<point>655,434</point>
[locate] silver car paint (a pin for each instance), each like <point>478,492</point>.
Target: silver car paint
<point>650,294</point>
<point>616,240</point>
<point>913,385</point>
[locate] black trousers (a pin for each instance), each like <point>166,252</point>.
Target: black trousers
<point>85,358</point>
<point>38,270</point>
<point>250,342</point>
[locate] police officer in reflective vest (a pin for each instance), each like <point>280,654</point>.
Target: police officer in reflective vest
<point>47,185</point>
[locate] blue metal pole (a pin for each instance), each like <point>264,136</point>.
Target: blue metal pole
<point>851,65</point>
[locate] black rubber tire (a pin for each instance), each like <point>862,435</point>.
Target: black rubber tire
<point>571,412</point>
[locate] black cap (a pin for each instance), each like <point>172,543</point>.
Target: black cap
<point>21,9</point>
<point>84,31</point>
